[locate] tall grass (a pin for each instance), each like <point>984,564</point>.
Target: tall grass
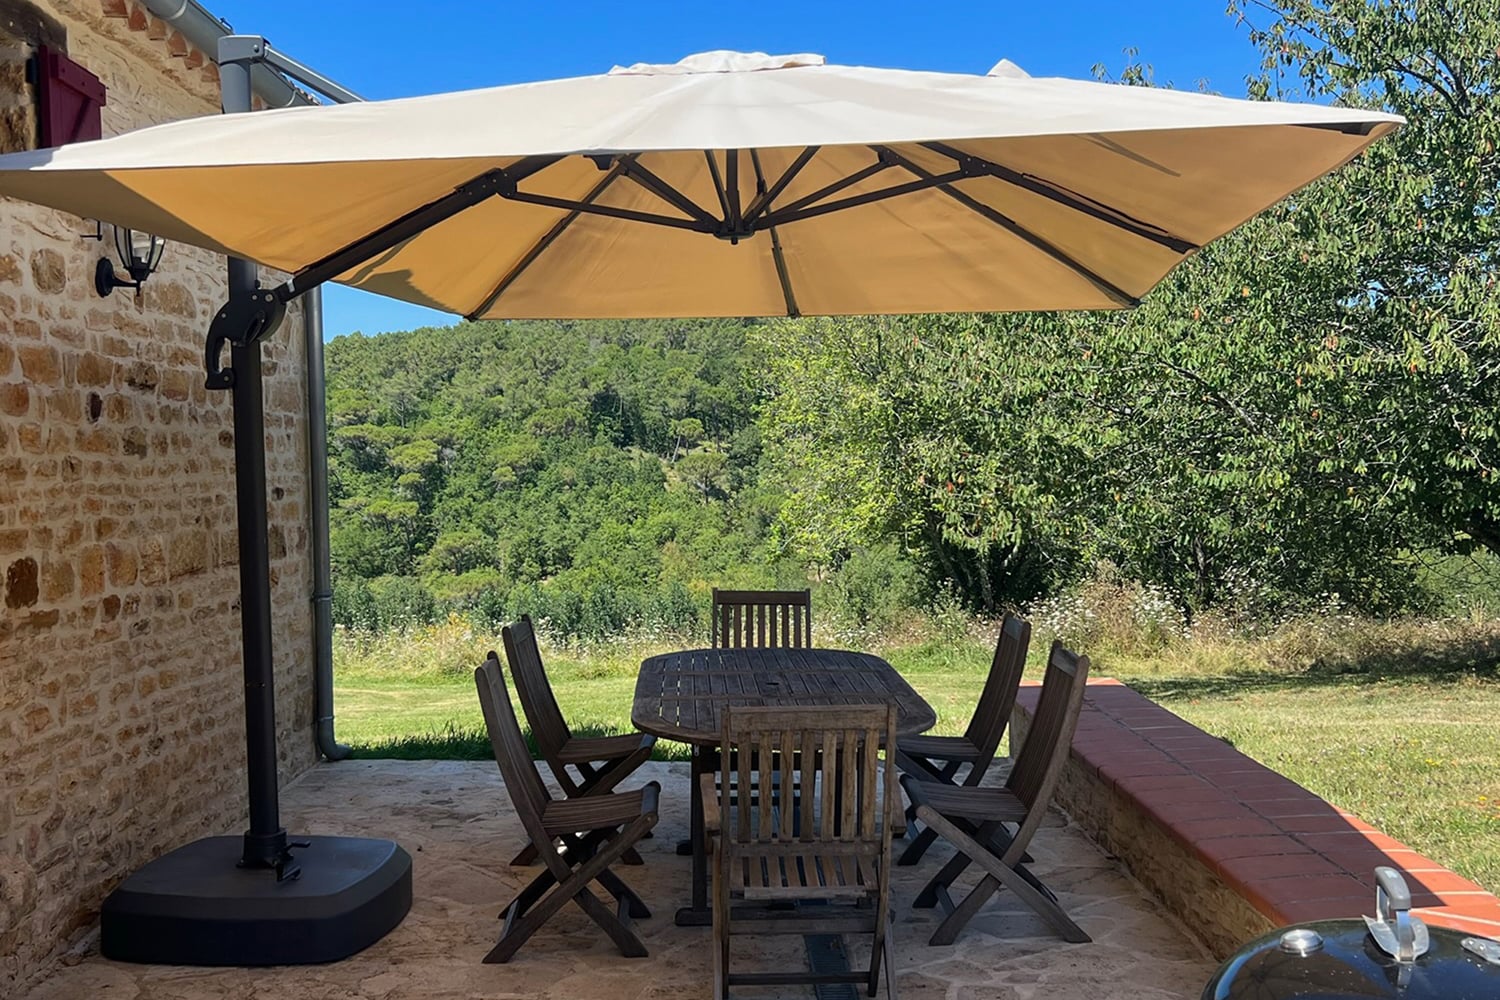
<point>1393,719</point>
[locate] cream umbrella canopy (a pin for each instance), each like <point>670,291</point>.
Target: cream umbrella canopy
<point>728,184</point>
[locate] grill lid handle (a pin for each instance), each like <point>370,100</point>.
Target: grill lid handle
<point>1398,933</point>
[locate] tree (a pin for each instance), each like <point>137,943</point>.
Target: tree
<point>1408,389</point>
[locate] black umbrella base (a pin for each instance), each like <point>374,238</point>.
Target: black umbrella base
<point>195,907</point>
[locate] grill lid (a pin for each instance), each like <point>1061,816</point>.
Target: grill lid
<point>1391,955</point>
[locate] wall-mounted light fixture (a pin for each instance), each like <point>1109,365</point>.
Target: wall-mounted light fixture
<point>138,252</point>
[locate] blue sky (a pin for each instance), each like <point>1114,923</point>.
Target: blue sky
<point>382,48</point>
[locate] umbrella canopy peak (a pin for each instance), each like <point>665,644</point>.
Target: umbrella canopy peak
<point>721,61</point>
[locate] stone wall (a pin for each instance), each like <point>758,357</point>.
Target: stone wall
<point>121,718</point>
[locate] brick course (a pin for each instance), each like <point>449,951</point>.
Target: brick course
<point>121,721</point>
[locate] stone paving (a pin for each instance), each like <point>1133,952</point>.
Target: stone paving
<point>454,819</point>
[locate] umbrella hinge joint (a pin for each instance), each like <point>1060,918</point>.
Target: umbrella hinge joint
<point>243,320</point>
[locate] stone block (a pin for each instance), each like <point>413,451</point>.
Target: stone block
<point>98,441</point>
<point>94,369</point>
<point>49,271</point>
<point>175,384</point>
<point>153,562</point>
<point>143,376</point>
<point>189,553</point>
<point>133,441</point>
<point>91,571</point>
<point>64,406</point>
<point>21,583</point>
<point>40,364</point>
<point>32,438</point>
<point>57,581</point>
<point>115,346</point>
<point>15,399</point>
<point>119,409</point>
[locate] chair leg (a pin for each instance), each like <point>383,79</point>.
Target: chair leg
<point>626,939</point>
<point>889,951</point>
<point>918,847</point>
<point>623,893</point>
<point>928,897</point>
<point>721,935</point>
<point>999,874</point>
<point>521,922</point>
<point>528,856</point>
<point>529,895</point>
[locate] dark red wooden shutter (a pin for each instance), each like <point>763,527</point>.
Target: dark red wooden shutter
<point>68,100</point>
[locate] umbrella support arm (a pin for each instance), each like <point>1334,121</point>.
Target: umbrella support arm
<point>249,315</point>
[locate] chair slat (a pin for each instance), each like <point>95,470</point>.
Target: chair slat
<point>745,619</point>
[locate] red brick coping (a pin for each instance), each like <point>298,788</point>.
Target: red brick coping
<point>1289,854</point>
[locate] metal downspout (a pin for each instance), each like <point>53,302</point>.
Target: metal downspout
<point>204,30</point>
<point>317,498</point>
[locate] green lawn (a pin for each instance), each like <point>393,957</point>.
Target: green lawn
<point>1403,731</point>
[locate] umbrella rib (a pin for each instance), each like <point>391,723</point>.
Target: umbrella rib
<point>835,187</point>
<point>1119,295</point>
<point>609,211</point>
<point>548,239</point>
<point>666,192</point>
<point>713,173</point>
<point>732,187</point>
<point>763,200</point>
<point>487,185</point>
<point>1071,199</point>
<point>788,215</point>
<point>776,254</point>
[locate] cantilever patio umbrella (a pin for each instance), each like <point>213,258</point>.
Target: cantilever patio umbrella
<point>728,184</point>
<point>725,185</point>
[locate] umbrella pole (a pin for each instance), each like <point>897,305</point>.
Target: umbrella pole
<point>212,902</point>
<point>265,841</point>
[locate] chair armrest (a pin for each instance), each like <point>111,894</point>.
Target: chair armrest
<point>711,817</point>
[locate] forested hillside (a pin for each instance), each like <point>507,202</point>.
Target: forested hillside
<point>591,473</point>
<point>1303,415</point>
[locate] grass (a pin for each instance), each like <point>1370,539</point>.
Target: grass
<point>1395,721</point>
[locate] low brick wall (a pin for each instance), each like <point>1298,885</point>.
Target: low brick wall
<point>1232,847</point>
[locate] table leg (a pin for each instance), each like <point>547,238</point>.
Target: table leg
<point>698,913</point>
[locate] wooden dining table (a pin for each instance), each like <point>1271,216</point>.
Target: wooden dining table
<point>680,695</point>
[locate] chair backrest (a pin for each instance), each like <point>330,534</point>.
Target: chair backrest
<point>548,727</point>
<point>1040,761</point>
<point>998,699</point>
<point>762,618</point>
<point>845,798</point>
<point>527,792</point>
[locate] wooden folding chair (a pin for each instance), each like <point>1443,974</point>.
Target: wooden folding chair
<point>576,839</point>
<point>600,762</point>
<point>974,819</point>
<point>830,842</point>
<point>940,758</point>
<point>757,619</point>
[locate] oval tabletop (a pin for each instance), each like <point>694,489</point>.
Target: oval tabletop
<point>678,695</point>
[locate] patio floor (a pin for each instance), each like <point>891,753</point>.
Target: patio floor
<point>456,822</point>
